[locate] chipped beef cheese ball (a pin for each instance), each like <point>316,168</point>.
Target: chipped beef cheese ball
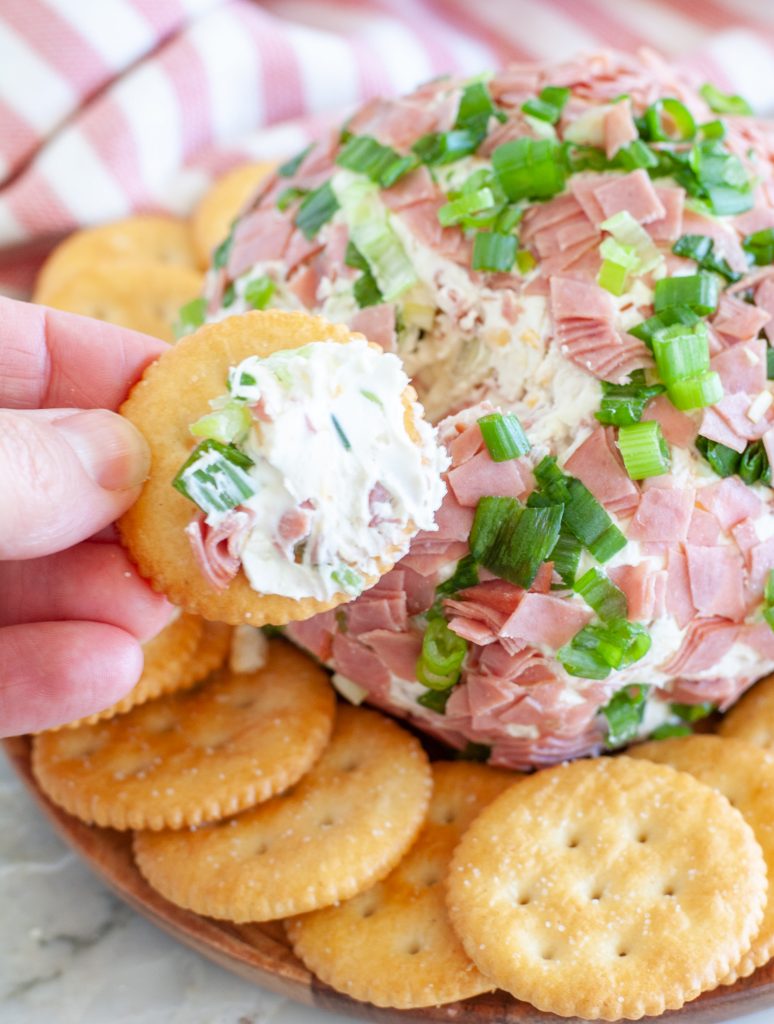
<point>573,263</point>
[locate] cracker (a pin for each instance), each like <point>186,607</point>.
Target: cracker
<point>393,945</point>
<point>144,297</point>
<point>342,828</point>
<point>193,756</point>
<point>609,888</point>
<point>173,393</point>
<point>222,203</point>
<point>146,237</point>
<point>752,718</point>
<point>745,776</point>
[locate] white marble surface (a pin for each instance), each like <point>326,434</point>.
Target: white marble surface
<point>71,953</point>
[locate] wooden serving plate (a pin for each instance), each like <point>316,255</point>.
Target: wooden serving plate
<point>260,952</point>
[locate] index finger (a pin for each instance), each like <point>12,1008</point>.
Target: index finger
<point>50,359</point>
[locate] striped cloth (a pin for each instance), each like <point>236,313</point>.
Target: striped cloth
<point>113,106</point>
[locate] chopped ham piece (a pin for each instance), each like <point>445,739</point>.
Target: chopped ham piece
<point>669,227</point>
<point>678,598</point>
<point>412,188</point>
<point>664,514</point>
<point>759,636</point>
<point>420,591</point>
<point>677,427</point>
<point>633,193</point>
<point>421,219</point>
<point>300,249</point>
<point>488,604</point>
<point>716,576</point>
<point>761,562</point>
<point>704,528</point>
<point>716,428</point>
<point>619,127</point>
<point>454,521</point>
<point>466,445</point>
<point>429,564</point>
<point>480,476</point>
<point>727,244</point>
<point>572,300</point>
<point>218,549</point>
<point>723,690</point>
<point>304,284</point>
<point>261,235</point>
<point>399,122</point>
<point>547,749</point>
<point>734,408</point>
<point>377,611</point>
<point>398,652</point>
<point>739,320</point>
<point>764,299</point>
<point>706,642</point>
<point>742,367</point>
<point>360,664</point>
<point>541,216</point>
<point>543,619</point>
<point>378,324</point>
<point>757,219</point>
<point>294,526</point>
<point>730,501</point>
<point>644,588</point>
<point>598,464</point>
<point>315,634</point>
<point>584,188</point>
<point>558,238</point>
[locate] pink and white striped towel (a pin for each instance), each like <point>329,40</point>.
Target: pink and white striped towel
<point>113,106</point>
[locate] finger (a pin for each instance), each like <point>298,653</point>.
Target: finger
<point>55,672</point>
<point>50,359</point>
<point>91,582</point>
<point>64,475</point>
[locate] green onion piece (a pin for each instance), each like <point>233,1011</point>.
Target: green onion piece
<point>227,425</point>
<point>724,460</point>
<point>474,752</point>
<point>525,261</point>
<point>770,363</point>
<point>365,290</point>
<point>464,576</point>
<point>681,352</point>
<point>666,318</point>
<point>476,107</point>
<point>340,433</point>
<point>760,246</point>
<point>443,652</point>
<point>669,731</point>
<point>493,251</point>
<point>189,317</point>
<point>508,220</point>
<point>636,155</point>
<point>754,463</point>
<point>289,168</point>
<point>349,581</point>
<point>669,120</point>
<point>214,477</point>
<point>458,209</point>
<point>513,541</point>
<point>599,648</point>
<point>624,713</point>
<point>565,556</point>
<point>692,712</point>
<point>697,291</point>
<point>579,157</point>
<point>713,129</point>
<point>768,593</point>
<point>601,594</point>
<point>259,292</point>
<point>435,700</point>
<point>612,277</point>
<point>623,404</point>
<point>701,249</point>
<point>221,253</point>
<point>228,296</point>
<point>382,164</point>
<point>288,196</point>
<point>643,449</point>
<point>768,616</point>
<point>316,209</point>
<point>504,436</point>
<point>722,102</point>
<point>530,168</point>
<point>696,392</point>
<point>633,241</point>
<point>726,201</point>
<point>440,148</point>
<point>549,104</point>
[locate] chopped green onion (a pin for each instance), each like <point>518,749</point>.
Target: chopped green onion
<point>458,209</point>
<point>701,249</point>
<point>726,201</point>
<point>348,580</point>
<point>770,363</point>
<point>512,540</point>
<point>692,712</point>
<point>713,129</point>
<point>214,477</point>
<point>288,196</point>
<point>681,352</point>
<point>549,104</point>
<point>636,155</point>
<point>504,436</point>
<point>289,168</point>
<point>340,432</point>
<point>465,575</point>
<point>222,252</point>
<point>601,594</point>
<point>768,615</point>
<point>476,107</point>
<point>669,120</point>
<point>493,251</point>
<point>443,652</point>
<point>530,168</point>
<point>365,290</point>
<point>760,246</point>
<point>598,648</point>
<point>228,296</point>
<point>371,397</point>
<point>768,592</point>
<point>508,220</point>
<point>525,261</point>
<point>624,713</point>
<point>440,148</point>
<point>612,277</point>
<point>580,157</point>
<point>189,317</point>
<point>696,392</point>
<point>666,318</point>
<point>623,404</point>
<point>259,292</point>
<point>316,209</point>
<point>724,460</point>
<point>643,449</point>
<point>669,731</point>
<point>435,700</point>
<point>227,425</point>
<point>753,463</point>
<point>565,556</point>
<point>697,291</point>
<point>382,164</point>
<point>722,102</point>
<point>633,240</point>
<point>474,752</point>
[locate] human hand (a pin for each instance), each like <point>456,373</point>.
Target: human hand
<point>72,610</point>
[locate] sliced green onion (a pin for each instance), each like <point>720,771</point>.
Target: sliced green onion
<point>504,436</point>
<point>770,363</point>
<point>666,318</point>
<point>465,575</point>
<point>458,209</point>
<point>530,168</point>
<point>227,425</point>
<point>229,295</point>
<point>340,433</point>
<point>189,317</point>
<point>724,460</point>
<point>289,168</point>
<point>508,220</point>
<point>623,404</point>
<point>365,289</point>
<point>549,104</point>
<point>696,392</point>
<point>493,251</point>
<point>692,712</point>
<point>713,129</point>
<point>768,592</point>
<point>435,700</point>
<point>727,201</point>
<point>525,261</point>
<point>636,155</point>
<point>760,246</point>
<point>633,239</point>
<point>222,252</point>
<point>701,249</point>
<point>579,157</point>
<point>259,292</point>
<point>681,352</point>
<point>316,209</point>
<point>440,148</point>
<point>348,580</point>
<point>512,540</point>
<point>754,464</point>
<point>288,196</point>
<point>669,120</point>
<point>382,164</point>
<point>443,652</point>
<point>476,107</point>
<point>612,277</point>
<point>697,291</point>
<point>600,593</point>
<point>723,102</point>
<point>768,616</point>
<point>565,556</point>
<point>669,731</point>
<point>599,648</point>
<point>624,713</point>
<point>643,449</point>
<point>474,752</point>
<point>214,477</point>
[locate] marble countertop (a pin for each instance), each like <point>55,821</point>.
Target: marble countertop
<point>72,953</point>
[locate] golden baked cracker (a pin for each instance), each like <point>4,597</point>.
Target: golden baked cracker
<point>752,718</point>
<point>393,945</point>
<point>745,776</point>
<point>342,828</point>
<point>145,237</point>
<point>173,393</point>
<point>610,888</point>
<point>222,203</point>
<point>139,295</point>
<point>197,755</point>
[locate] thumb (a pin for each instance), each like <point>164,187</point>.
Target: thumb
<point>64,475</point>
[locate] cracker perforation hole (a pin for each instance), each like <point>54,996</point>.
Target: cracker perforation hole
<point>669,890</point>
<point>414,948</point>
<point>623,952</point>
<point>350,766</point>
<point>572,842</point>
<point>449,817</point>
<point>642,836</point>
<point>261,848</point>
<point>327,822</point>
<point>596,894</point>
<point>524,900</point>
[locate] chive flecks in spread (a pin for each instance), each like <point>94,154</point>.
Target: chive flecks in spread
<point>313,443</point>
